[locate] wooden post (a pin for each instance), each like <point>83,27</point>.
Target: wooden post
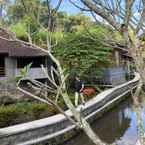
<point>128,67</point>
<point>117,58</point>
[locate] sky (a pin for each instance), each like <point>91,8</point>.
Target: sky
<point>67,6</point>
<point>70,8</point>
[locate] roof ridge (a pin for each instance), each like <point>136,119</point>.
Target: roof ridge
<point>10,34</point>
<point>26,48</point>
<point>15,39</point>
<point>32,46</point>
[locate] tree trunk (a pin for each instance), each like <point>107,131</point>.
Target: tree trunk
<point>136,95</point>
<point>82,122</point>
<point>1,13</point>
<point>140,130</point>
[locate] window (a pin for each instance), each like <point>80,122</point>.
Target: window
<point>36,62</point>
<point>2,66</point>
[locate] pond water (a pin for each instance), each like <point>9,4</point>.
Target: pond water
<point>116,126</point>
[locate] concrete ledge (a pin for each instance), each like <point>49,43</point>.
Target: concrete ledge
<point>54,128</point>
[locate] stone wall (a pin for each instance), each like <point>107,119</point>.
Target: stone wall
<point>57,128</point>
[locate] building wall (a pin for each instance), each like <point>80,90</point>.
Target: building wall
<point>114,76</point>
<point>12,70</point>
<point>33,73</point>
<point>10,67</point>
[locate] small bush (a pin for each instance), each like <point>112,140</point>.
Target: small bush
<point>39,110</point>
<point>8,115</point>
<point>23,112</point>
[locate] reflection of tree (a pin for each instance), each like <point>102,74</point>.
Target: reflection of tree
<point>140,130</point>
<point>113,125</point>
<point>110,127</point>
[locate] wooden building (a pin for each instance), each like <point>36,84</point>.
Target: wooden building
<point>15,54</point>
<point>121,68</point>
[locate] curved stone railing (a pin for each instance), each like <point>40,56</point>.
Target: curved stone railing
<point>57,128</point>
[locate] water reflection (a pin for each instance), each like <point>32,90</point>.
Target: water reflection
<point>116,126</point>
<point>113,125</point>
<point>130,135</point>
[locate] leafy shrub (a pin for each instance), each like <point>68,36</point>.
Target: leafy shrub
<point>20,30</point>
<point>40,37</point>
<point>39,110</point>
<point>23,112</point>
<point>8,115</point>
<point>83,53</point>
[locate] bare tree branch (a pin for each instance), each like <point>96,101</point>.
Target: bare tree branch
<point>79,7</point>
<point>58,5</point>
<point>142,19</point>
<point>101,12</point>
<point>48,102</point>
<point>128,11</point>
<point>34,96</point>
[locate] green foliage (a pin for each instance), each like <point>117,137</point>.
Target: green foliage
<point>23,72</point>
<point>79,50</point>
<point>83,53</point>
<point>23,112</point>
<point>35,12</point>
<point>78,22</point>
<point>20,30</point>
<point>7,114</point>
<point>40,37</point>
<point>26,26</point>
<point>17,10</point>
<point>79,19</point>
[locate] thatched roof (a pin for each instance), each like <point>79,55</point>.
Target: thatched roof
<point>13,47</point>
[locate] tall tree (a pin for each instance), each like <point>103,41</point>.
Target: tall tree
<point>52,14</point>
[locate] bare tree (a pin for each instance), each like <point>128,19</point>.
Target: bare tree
<point>128,18</point>
<point>61,89</point>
